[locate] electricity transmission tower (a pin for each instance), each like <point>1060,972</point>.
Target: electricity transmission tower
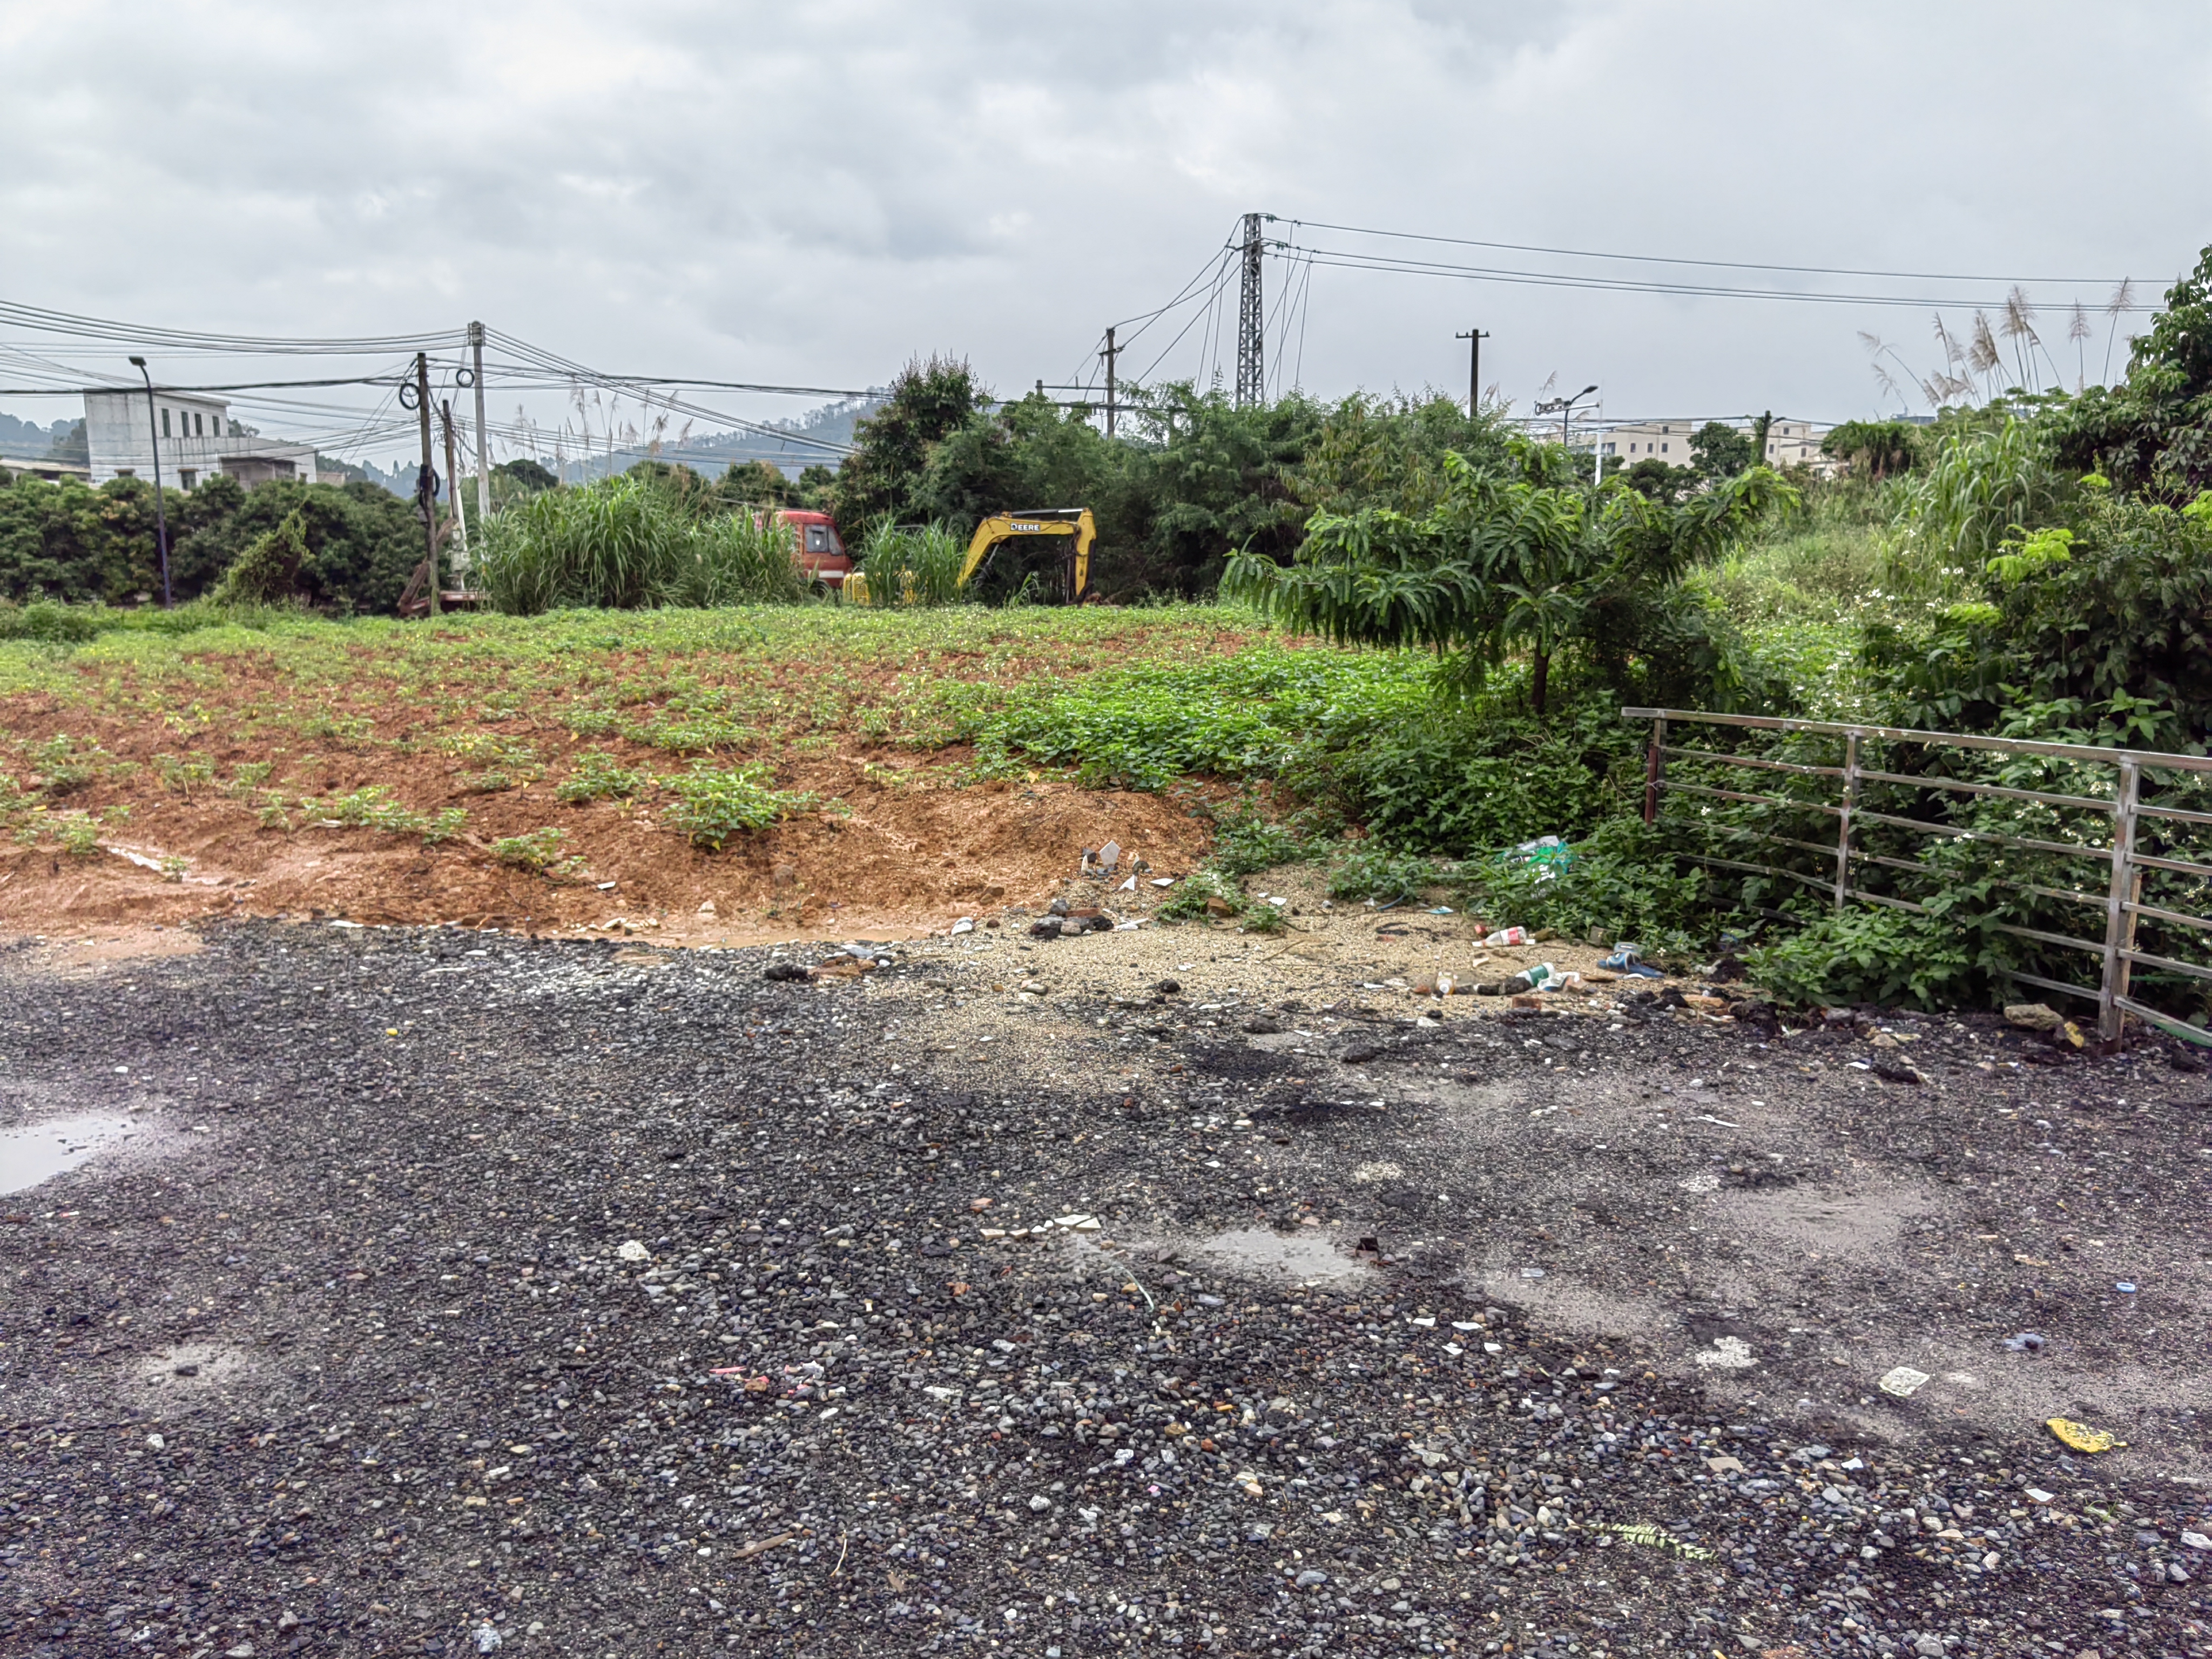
<point>1251,323</point>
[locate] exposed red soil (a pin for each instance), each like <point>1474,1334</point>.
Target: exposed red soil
<point>898,857</point>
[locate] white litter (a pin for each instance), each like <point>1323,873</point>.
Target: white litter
<point>965,925</point>
<point>631,1250</point>
<point>1902,1382</point>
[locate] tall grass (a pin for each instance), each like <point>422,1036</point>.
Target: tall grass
<point>1979,487</point>
<point>619,544</point>
<point>916,566</point>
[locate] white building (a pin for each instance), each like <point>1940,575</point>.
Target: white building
<point>197,437</point>
<point>1789,442</point>
<point>1650,440</point>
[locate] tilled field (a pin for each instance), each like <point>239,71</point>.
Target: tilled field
<point>460,1293</point>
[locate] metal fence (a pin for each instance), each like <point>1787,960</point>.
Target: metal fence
<point>1860,862</point>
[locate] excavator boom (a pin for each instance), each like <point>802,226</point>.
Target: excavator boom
<point>1074,521</point>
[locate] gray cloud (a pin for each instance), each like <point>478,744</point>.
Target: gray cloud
<point>814,193</point>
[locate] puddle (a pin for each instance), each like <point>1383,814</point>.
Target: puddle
<point>1306,1257</point>
<point>39,1152</point>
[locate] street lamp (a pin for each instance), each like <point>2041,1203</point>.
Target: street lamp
<point>160,516</point>
<point>1565,406</point>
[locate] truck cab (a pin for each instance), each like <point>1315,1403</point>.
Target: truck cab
<point>820,550</point>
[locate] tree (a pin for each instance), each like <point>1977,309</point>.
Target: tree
<point>1507,562</point>
<point>1656,480</point>
<point>754,484</point>
<point>1873,450</point>
<point>929,401</point>
<point>527,475</point>
<point>268,572</point>
<point>2152,433</point>
<point>1722,451</point>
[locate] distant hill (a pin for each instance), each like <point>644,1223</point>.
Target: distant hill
<point>709,453</point>
<point>29,442</point>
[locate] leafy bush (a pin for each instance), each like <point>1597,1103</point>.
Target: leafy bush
<point>268,572</point>
<point>711,804</point>
<point>373,808</point>
<point>1188,902</point>
<point>1245,844</point>
<point>1622,880</point>
<point>48,623</point>
<point>1868,956</point>
<point>1369,871</point>
<point>537,851</point>
<point>597,777</point>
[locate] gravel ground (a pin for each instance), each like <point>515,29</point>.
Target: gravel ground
<point>459,1292</point>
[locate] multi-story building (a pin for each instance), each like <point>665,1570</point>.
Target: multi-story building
<point>197,437</point>
<point>1789,442</point>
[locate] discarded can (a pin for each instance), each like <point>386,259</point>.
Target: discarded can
<point>1624,957</point>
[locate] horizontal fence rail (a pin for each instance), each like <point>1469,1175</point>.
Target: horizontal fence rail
<point>1914,808</point>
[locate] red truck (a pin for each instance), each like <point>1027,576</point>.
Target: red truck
<point>816,546</point>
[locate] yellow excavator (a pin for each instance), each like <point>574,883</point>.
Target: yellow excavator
<point>1073,522</point>
<point>1067,574</point>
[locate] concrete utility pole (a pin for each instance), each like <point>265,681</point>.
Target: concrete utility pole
<point>1474,337</point>
<point>426,481</point>
<point>483,460</point>
<point>453,497</point>
<point>161,514</point>
<point>1111,352</point>
<point>1251,323</point>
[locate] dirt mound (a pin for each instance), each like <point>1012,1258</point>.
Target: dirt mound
<point>889,858</point>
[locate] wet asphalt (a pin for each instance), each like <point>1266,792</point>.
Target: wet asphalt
<point>462,1292</point>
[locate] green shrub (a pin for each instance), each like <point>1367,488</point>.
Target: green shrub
<point>1368,871</point>
<point>711,805</point>
<point>78,834</point>
<point>1188,902</point>
<point>268,572</point>
<point>597,777</point>
<point>50,624</point>
<point>1622,880</point>
<point>538,851</point>
<point>373,808</point>
<point>1883,957</point>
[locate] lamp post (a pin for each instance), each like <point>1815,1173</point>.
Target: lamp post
<point>1565,406</point>
<point>161,515</point>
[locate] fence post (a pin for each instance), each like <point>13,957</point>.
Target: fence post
<point>1844,823</point>
<point>2119,919</point>
<point>1655,768</point>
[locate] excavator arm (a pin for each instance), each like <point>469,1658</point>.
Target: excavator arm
<point>1006,526</point>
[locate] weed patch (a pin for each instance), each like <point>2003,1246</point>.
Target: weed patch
<point>710,806</point>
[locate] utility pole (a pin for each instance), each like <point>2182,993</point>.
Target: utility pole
<point>1474,337</point>
<point>1251,323</point>
<point>426,481</point>
<point>1111,352</point>
<point>161,514</point>
<point>453,497</point>
<point>483,460</point>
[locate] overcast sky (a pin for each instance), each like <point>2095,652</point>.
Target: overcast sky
<point>813,193</point>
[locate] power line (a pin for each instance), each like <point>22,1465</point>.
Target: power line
<point>1717,264</point>
<point>1353,260</point>
<point>72,325</point>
